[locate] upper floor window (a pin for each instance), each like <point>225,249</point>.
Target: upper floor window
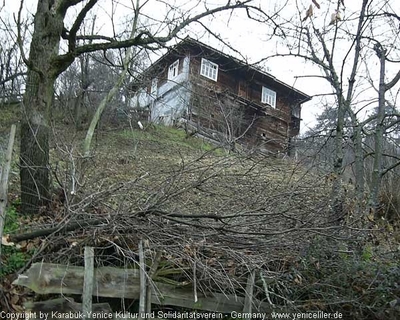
<point>209,69</point>
<point>268,96</point>
<point>173,70</point>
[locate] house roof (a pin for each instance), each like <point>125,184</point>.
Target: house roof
<point>235,63</point>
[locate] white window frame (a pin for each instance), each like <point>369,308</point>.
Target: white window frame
<point>268,96</point>
<point>173,70</point>
<point>209,69</point>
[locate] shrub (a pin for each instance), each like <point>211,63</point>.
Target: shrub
<point>360,284</point>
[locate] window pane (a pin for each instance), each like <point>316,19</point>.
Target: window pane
<point>209,69</point>
<point>268,96</point>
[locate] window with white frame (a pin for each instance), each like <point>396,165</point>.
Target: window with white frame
<point>173,70</point>
<point>268,96</point>
<point>209,69</point>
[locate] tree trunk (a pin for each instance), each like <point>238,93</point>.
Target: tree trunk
<point>38,98</point>
<point>337,194</point>
<point>358,164</point>
<point>34,162</point>
<point>83,99</point>
<point>99,111</point>
<point>78,111</point>
<point>379,130</point>
<point>343,108</point>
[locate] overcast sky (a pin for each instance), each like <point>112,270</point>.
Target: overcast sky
<point>248,37</point>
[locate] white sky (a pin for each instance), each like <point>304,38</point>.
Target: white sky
<point>248,37</point>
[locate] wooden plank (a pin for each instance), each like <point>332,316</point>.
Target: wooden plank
<point>46,278</point>
<point>88,282</point>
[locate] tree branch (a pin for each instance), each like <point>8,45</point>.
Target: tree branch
<point>63,6</point>
<point>146,39</point>
<point>12,77</point>
<point>94,37</point>
<point>20,45</point>
<point>64,228</point>
<point>394,81</point>
<point>77,24</point>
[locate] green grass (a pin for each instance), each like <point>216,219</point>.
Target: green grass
<point>169,136</point>
<point>12,258</point>
<point>11,223</point>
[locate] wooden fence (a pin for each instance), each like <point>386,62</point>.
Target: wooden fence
<point>111,282</point>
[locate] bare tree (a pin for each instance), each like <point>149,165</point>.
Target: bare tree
<point>321,42</point>
<point>380,129</point>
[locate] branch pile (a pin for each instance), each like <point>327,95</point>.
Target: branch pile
<point>207,222</point>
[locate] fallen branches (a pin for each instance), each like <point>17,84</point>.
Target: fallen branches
<point>56,230</point>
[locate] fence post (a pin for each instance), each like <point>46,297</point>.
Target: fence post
<point>248,301</point>
<point>142,277</point>
<point>152,271</point>
<point>88,283</point>
<point>4,182</point>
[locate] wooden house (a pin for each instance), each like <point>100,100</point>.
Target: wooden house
<point>222,97</point>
